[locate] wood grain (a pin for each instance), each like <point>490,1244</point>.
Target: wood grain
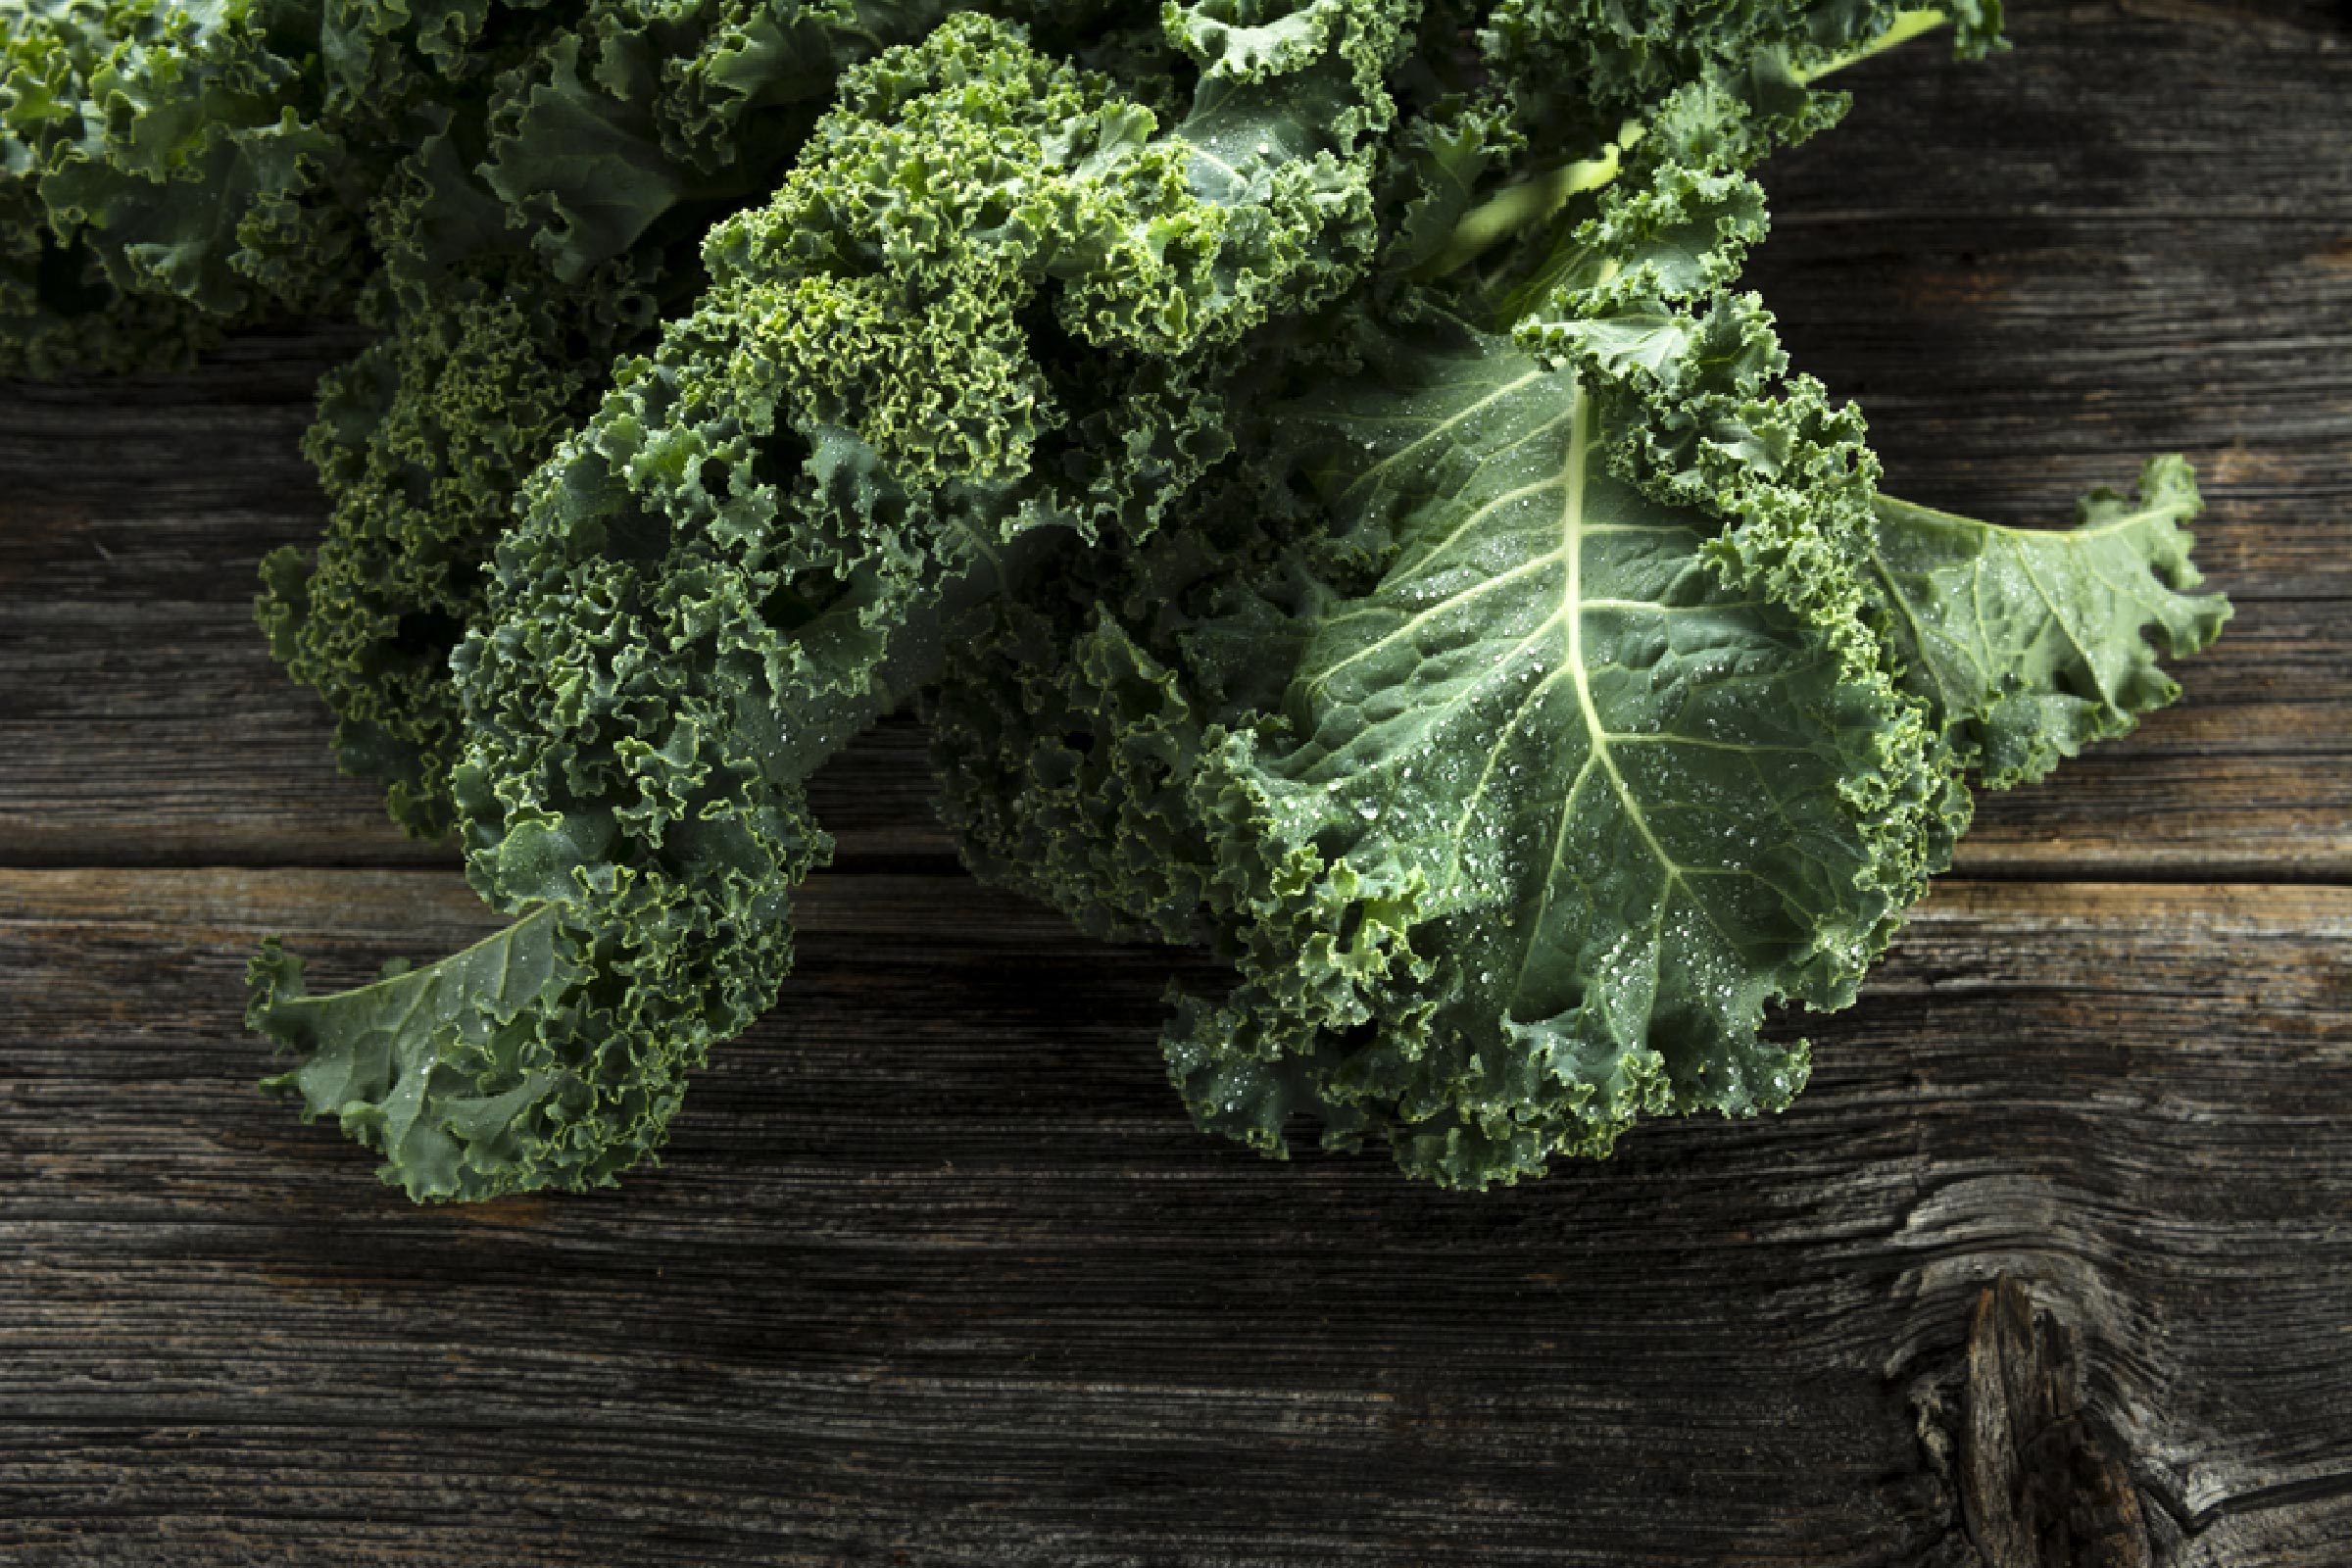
<point>937,1274</point>
<point>2043,1479</point>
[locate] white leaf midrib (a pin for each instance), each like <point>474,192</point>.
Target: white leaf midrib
<point>1572,612</point>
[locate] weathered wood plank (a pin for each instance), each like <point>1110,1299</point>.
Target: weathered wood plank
<point>936,1273</point>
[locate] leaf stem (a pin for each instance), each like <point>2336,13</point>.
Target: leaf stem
<point>1532,201</point>
<point>1907,25</point>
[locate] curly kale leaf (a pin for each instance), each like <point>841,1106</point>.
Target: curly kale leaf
<point>500,319</point>
<point>1600,735</point>
<point>974,323</point>
<point>1585,757</point>
<point>60,313</point>
<point>423,443</point>
<point>646,109</point>
<point>181,148</point>
<point>600,156</point>
<point>1061,746</point>
<point>2031,644</point>
<point>1551,815</point>
<point>224,156</point>
<point>1544,819</point>
<point>382,1053</point>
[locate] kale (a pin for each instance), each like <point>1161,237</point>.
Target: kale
<point>1311,461</point>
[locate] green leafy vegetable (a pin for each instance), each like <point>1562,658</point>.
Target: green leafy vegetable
<point>1309,459</point>
<point>1592,743</point>
<point>1589,793</point>
<point>755,547</point>
<point>2032,644</point>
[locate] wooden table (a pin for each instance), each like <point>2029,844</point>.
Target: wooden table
<point>936,1273</point>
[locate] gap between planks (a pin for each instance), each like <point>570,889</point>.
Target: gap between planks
<point>357,902</point>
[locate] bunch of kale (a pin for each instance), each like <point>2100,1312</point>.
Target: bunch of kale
<point>1308,458</point>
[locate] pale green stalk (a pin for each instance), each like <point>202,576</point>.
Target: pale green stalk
<point>1538,196</point>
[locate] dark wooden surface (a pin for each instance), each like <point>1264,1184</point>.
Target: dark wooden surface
<point>934,1273</point>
